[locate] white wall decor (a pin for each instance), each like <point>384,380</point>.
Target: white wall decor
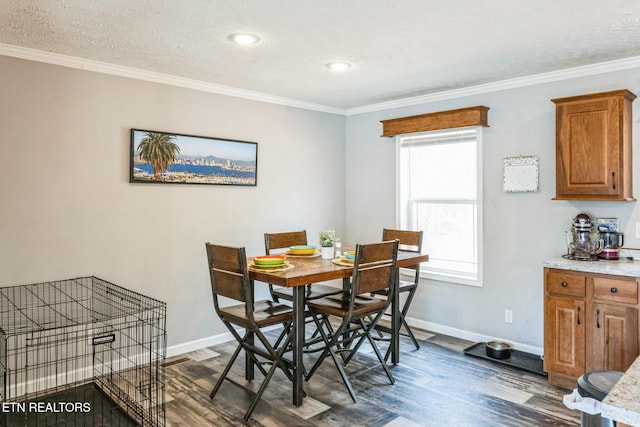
<point>520,174</point>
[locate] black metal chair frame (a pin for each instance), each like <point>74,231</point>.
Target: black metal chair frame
<point>230,278</point>
<point>404,287</point>
<point>374,270</point>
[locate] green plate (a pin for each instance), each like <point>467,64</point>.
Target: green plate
<point>275,260</point>
<point>302,250</point>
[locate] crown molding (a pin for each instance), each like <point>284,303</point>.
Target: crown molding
<point>553,76</point>
<point>150,76</point>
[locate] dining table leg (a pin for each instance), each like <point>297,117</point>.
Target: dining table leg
<point>298,344</point>
<point>395,320</point>
<point>249,366</point>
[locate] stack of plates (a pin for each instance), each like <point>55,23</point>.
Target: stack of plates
<point>269,261</point>
<point>302,250</point>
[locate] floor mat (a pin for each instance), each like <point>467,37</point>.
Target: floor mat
<point>519,359</point>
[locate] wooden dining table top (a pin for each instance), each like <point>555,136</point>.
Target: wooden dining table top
<point>313,269</point>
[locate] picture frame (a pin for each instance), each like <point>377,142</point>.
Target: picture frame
<point>175,158</point>
<point>520,174</point>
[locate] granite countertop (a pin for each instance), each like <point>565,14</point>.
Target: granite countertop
<point>621,267</point>
<point>622,404</point>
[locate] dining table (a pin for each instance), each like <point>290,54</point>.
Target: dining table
<point>306,270</point>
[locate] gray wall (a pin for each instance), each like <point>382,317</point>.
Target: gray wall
<point>68,210</point>
<point>520,230</point>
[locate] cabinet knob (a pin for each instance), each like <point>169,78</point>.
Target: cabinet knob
<point>614,290</point>
<point>564,284</point>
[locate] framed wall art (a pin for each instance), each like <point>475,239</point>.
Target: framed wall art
<point>173,158</point>
<point>520,174</point>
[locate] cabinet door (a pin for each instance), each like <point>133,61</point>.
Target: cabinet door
<point>614,332</point>
<point>587,148</point>
<point>564,336</point>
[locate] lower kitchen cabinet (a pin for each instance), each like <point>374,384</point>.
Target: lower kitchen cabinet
<point>614,336</point>
<point>590,323</point>
<point>564,337</point>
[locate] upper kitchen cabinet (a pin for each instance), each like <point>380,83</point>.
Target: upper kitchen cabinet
<point>593,146</point>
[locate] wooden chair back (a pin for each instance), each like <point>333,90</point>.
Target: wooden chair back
<point>374,267</point>
<point>275,241</point>
<point>409,240</point>
<point>229,275</point>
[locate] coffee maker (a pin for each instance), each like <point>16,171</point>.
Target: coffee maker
<point>612,242</point>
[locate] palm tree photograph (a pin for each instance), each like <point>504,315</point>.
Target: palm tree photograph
<point>162,157</point>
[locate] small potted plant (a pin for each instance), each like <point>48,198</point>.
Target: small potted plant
<point>326,238</point>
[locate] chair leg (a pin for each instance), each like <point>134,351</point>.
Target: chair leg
<point>377,351</point>
<point>285,330</point>
<point>330,344</point>
<point>258,395</point>
<point>353,350</point>
<point>410,333</point>
<point>403,323</point>
<point>277,362</point>
<point>325,351</point>
<point>403,315</point>
<point>343,374</point>
<point>276,354</point>
<point>224,373</point>
<point>275,358</point>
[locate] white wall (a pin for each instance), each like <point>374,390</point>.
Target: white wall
<point>67,208</point>
<point>521,230</point>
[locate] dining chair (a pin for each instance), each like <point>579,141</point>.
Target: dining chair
<point>374,272</point>
<point>230,279</point>
<point>410,241</point>
<point>281,242</point>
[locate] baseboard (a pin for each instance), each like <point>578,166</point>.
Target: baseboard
<point>470,336</point>
<point>199,344</point>
<point>178,349</point>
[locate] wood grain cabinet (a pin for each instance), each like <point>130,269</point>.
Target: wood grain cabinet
<point>593,146</point>
<point>590,323</point>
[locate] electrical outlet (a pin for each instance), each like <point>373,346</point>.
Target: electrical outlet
<point>508,316</point>
<point>637,230</point>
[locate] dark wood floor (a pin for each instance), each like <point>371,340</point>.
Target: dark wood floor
<point>435,386</point>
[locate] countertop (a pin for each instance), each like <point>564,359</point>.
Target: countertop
<point>621,267</point>
<point>622,404</point>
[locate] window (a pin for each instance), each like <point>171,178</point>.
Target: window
<point>439,177</point>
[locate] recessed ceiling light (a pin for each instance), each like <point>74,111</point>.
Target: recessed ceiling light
<point>245,39</point>
<point>339,66</point>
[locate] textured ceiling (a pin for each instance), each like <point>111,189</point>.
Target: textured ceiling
<point>399,48</point>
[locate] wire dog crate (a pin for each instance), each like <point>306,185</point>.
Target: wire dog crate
<point>81,352</point>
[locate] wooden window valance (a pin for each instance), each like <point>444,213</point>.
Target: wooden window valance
<point>472,116</point>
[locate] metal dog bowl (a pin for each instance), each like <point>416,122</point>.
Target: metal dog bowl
<point>498,350</point>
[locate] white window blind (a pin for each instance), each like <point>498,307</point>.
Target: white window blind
<point>439,193</point>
